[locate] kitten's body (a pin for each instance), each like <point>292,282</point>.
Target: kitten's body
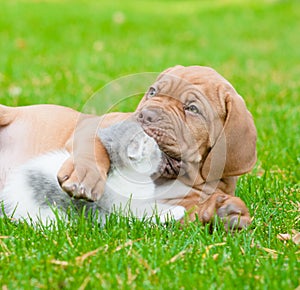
<point>32,191</point>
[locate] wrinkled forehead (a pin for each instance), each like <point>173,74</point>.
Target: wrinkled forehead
<point>197,75</point>
<point>201,83</point>
<point>177,87</point>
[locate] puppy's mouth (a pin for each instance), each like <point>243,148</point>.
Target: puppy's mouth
<point>169,167</point>
<point>170,164</point>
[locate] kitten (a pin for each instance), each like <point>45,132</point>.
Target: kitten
<point>32,190</point>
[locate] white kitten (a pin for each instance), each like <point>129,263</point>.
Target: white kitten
<point>32,190</point>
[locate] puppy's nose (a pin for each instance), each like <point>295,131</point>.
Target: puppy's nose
<point>148,116</point>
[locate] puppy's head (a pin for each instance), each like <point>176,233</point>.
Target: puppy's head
<point>198,120</point>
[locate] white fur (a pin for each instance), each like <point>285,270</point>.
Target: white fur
<point>18,196</point>
<point>126,188</point>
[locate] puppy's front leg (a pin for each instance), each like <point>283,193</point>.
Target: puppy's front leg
<point>83,175</point>
<point>231,209</point>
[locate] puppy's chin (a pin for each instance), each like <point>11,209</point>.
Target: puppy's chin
<point>171,164</point>
<point>168,168</point>
<point>165,140</point>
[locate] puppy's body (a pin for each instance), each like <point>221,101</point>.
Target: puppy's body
<point>26,132</point>
<point>32,191</point>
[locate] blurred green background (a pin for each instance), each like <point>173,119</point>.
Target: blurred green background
<point>63,51</point>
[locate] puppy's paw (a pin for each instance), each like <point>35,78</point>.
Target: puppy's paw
<point>230,209</point>
<point>233,211</point>
<point>82,180</point>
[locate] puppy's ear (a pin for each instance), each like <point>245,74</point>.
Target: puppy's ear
<point>240,134</point>
<point>234,152</point>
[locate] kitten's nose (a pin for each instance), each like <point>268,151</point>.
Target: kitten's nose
<point>149,116</point>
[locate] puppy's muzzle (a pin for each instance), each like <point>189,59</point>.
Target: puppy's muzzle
<point>150,116</point>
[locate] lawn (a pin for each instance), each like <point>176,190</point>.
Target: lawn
<point>63,51</point>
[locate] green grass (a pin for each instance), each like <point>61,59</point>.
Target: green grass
<point>62,51</point>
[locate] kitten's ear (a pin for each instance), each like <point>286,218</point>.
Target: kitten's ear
<point>134,151</point>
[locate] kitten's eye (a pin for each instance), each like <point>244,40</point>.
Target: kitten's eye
<point>152,92</point>
<point>193,109</point>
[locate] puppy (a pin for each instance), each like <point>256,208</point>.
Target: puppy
<point>202,124</point>
<point>32,190</point>
<point>195,115</point>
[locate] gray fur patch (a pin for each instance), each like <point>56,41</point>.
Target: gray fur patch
<point>45,191</point>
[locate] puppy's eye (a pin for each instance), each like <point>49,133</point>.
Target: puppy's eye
<point>152,92</point>
<point>193,109</point>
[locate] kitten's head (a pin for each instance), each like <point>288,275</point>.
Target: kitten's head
<point>130,147</point>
